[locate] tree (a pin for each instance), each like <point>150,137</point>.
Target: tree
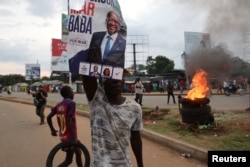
<point>45,78</point>
<point>139,69</point>
<point>11,79</point>
<point>238,67</point>
<point>159,65</point>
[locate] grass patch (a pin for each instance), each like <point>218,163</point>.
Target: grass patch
<point>239,141</point>
<point>230,131</point>
<point>83,107</point>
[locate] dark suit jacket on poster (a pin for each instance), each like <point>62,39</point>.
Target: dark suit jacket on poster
<point>116,55</point>
<point>95,75</point>
<point>74,62</point>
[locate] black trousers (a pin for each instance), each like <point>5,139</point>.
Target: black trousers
<point>138,98</point>
<point>40,112</point>
<point>171,94</point>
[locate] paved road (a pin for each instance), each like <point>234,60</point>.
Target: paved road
<point>217,102</point>
<point>25,143</point>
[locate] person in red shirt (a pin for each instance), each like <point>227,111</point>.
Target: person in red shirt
<point>181,84</point>
<point>65,112</point>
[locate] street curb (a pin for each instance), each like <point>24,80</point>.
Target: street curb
<point>195,152</point>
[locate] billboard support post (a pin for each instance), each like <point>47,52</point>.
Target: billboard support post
<point>70,81</point>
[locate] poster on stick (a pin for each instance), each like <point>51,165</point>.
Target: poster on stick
<point>97,39</point>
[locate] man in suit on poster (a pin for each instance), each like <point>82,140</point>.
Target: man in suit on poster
<point>95,72</point>
<point>108,47</point>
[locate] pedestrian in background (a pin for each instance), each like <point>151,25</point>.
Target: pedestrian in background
<point>139,88</point>
<point>219,87</point>
<point>41,96</point>
<point>181,85</point>
<point>225,86</point>
<point>161,88</point>
<point>170,89</point>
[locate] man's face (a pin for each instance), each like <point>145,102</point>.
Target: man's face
<point>95,68</point>
<point>113,24</point>
<point>113,87</point>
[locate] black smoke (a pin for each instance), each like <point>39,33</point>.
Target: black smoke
<point>227,22</point>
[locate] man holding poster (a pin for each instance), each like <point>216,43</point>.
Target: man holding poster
<point>108,47</point>
<point>116,121</point>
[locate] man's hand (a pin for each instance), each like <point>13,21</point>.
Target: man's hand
<point>54,133</point>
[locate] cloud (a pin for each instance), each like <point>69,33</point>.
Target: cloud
<point>43,9</point>
<point>27,27</point>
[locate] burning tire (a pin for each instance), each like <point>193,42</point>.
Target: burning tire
<point>200,119</point>
<point>194,108</point>
<point>196,114</point>
<point>191,111</point>
<point>188,103</point>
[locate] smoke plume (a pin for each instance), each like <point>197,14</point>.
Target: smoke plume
<point>228,24</point>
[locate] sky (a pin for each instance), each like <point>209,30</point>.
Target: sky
<point>27,27</point>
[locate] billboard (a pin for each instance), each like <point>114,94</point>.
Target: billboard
<point>97,39</point>
<point>59,62</point>
<point>32,71</point>
<point>195,40</point>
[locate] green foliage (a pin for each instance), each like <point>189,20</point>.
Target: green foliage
<point>140,69</point>
<point>173,121</point>
<point>83,107</point>
<point>45,78</point>
<point>237,142</point>
<point>239,67</point>
<point>159,65</point>
<point>11,79</point>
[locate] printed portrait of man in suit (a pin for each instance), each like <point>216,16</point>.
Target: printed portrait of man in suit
<point>95,72</point>
<point>108,47</point>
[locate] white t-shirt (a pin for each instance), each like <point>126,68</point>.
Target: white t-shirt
<point>139,87</point>
<point>110,130</point>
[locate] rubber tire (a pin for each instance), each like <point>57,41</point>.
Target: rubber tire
<point>202,119</point>
<point>59,146</point>
<point>196,111</point>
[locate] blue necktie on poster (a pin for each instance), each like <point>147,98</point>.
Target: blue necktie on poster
<point>107,48</point>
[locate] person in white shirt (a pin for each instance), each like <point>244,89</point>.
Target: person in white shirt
<point>138,91</point>
<point>116,122</point>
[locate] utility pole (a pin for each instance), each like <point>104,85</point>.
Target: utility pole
<point>138,48</point>
<point>70,81</point>
<point>185,62</point>
<point>134,53</point>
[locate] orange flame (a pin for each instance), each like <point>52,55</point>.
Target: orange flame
<point>200,87</point>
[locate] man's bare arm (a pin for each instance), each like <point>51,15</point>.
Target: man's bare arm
<point>90,86</point>
<point>136,144</point>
